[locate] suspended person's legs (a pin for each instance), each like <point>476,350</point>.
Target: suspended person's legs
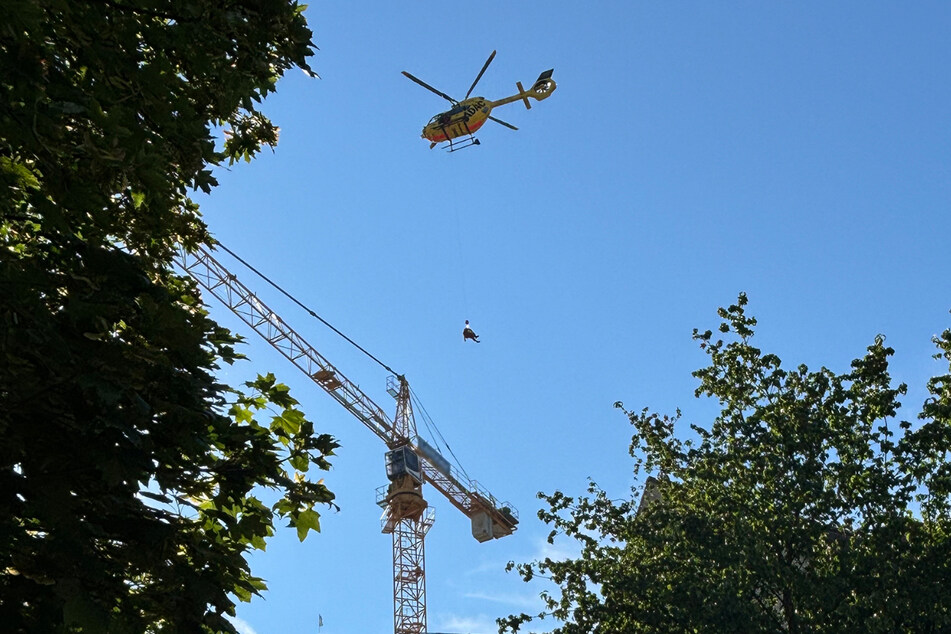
<point>469,333</point>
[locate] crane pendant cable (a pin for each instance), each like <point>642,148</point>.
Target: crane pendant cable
<point>309,311</point>
<point>435,434</point>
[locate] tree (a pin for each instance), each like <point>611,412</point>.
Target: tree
<point>803,507</point>
<point>129,475</point>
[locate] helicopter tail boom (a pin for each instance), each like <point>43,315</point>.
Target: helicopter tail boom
<point>541,89</point>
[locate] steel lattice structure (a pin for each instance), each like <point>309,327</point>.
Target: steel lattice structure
<point>406,515</point>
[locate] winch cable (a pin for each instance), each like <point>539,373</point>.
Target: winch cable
<point>462,266</point>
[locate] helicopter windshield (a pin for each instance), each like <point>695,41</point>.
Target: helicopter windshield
<point>445,117</point>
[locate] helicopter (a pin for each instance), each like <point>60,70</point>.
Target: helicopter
<point>468,115</point>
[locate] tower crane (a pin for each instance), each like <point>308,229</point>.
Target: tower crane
<point>410,460</point>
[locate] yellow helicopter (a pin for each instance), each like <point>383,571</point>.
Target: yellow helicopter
<point>468,115</point>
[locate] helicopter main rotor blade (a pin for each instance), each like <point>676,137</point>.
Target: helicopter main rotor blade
<point>428,87</point>
<point>507,125</point>
<point>481,72</point>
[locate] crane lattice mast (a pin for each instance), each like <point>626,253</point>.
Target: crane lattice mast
<point>410,461</point>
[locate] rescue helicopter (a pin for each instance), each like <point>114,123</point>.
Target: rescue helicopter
<point>468,115</point>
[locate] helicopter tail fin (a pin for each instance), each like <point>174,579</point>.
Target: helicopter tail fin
<point>521,91</point>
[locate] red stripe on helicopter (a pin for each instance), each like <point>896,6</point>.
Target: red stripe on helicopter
<point>440,136</point>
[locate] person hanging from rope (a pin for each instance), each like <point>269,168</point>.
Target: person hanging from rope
<point>468,333</point>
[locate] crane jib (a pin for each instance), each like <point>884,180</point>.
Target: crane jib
<point>464,494</point>
<point>406,515</point>
<point>226,287</point>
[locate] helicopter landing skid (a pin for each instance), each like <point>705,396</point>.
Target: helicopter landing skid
<point>459,145</point>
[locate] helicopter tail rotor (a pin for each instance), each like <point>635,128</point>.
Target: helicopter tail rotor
<point>544,85</point>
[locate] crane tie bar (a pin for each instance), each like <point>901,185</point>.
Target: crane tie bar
<point>312,313</point>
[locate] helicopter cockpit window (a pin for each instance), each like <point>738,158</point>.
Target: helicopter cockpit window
<point>442,118</point>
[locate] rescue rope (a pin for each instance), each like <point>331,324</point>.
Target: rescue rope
<point>461,265</point>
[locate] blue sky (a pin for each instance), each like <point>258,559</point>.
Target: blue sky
<point>798,152</point>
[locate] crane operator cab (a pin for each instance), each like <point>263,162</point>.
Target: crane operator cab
<point>404,495</point>
<point>402,462</point>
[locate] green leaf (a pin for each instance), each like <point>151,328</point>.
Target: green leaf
<point>300,462</point>
<point>306,521</point>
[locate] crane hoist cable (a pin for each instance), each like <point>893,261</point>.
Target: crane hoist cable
<point>309,311</point>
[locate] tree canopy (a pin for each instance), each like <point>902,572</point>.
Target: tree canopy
<point>129,476</point>
<point>805,506</point>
